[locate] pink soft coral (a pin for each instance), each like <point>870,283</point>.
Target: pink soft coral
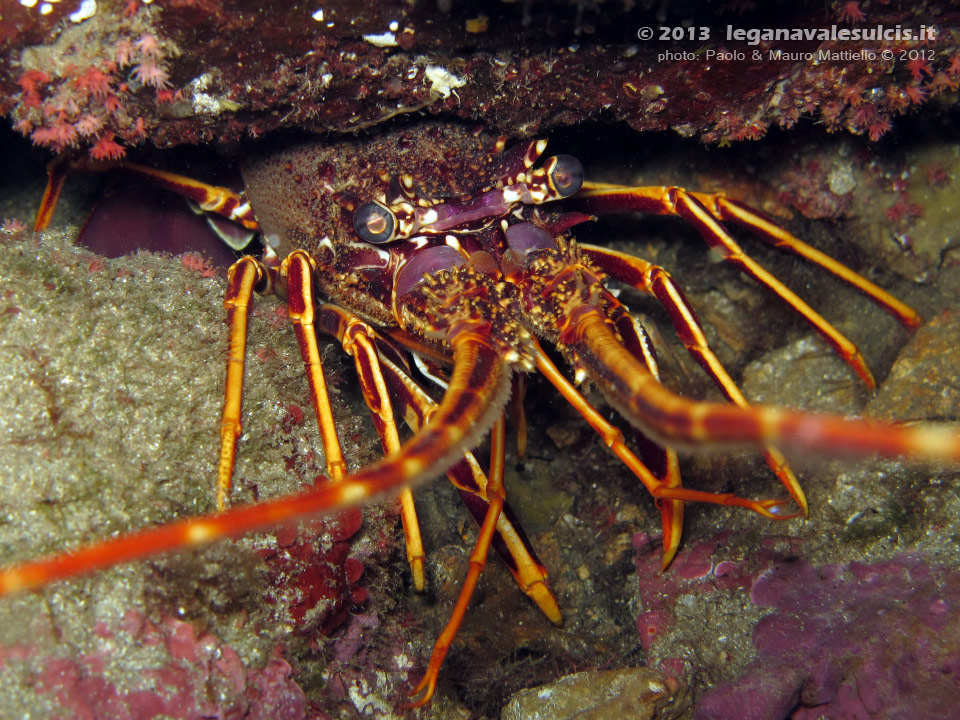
<point>150,73</point>
<point>58,136</point>
<point>94,82</point>
<point>149,47</point>
<point>850,12</point>
<point>107,149</point>
<point>89,124</point>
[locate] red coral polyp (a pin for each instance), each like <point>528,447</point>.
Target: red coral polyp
<point>850,12</point>
<point>149,47</point>
<point>89,125</point>
<point>107,149</point>
<point>95,83</point>
<point>29,83</point>
<point>152,74</point>
<point>58,136</point>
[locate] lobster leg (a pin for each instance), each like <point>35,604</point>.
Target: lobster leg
<point>479,384</point>
<point>518,413</point>
<point>671,510</point>
<point>664,461</point>
<point>57,170</point>
<point>297,269</point>
<point>669,491</point>
<point>242,278</point>
<point>725,209</point>
<point>509,540</point>
<point>656,281</point>
<point>210,198</point>
<point>478,561</point>
<point>356,337</point>
<point>689,206</point>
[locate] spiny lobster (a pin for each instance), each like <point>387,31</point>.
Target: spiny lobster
<point>434,243</point>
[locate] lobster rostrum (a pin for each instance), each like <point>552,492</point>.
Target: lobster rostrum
<point>434,245</point>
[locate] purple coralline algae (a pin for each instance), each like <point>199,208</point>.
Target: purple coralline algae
<point>850,642</point>
<point>193,664</point>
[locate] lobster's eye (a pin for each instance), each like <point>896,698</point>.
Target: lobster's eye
<point>565,174</point>
<point>374,222</point>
